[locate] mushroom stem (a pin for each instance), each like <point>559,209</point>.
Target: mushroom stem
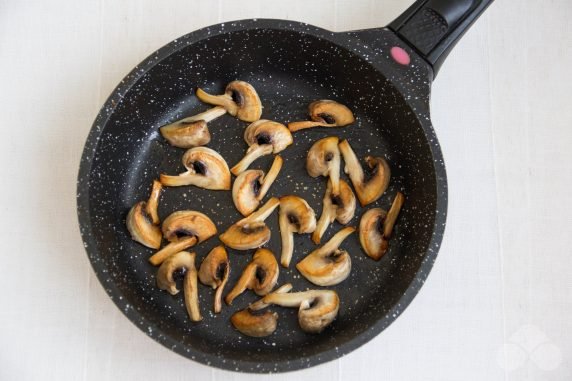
<point>288,299</point>
<point>392,215</point>
<point>153,202</point>
<point>287,236</point>
<point>270,176</point>
<point>207,116</point>
<point>192,292</point>
<point>297,126</point>
<point>219,290</point>
<point>337,240</point>
<point>263,212</point>
<point>260,304</point>
<point>172,248</point>
<point>254,152</point>
<point>224,100</point>
<point>328,216</point>
<point>243,283</point>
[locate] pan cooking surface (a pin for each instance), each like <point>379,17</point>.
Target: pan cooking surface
<point>289,70</point>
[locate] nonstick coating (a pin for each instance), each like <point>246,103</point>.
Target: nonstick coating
<point>289,69</point>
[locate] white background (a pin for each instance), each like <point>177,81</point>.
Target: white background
<point>497,305</point>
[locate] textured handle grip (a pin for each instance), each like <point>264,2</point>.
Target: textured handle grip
<point>433,27</point>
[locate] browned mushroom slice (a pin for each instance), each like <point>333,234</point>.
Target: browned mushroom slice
<point>214,272</point>
<point>325,113</point>
<point>182,260</point>
<point>260,304</point>
<point>294,216</point>
<point>192,131</point>
<point>369,185</point>
<point>205,169</point>
<point>183,229</point>
<point>142,220</point>
<point>316,308</point>
<point>263,138</point>
<point>376,226</point>
<point>341,208</point>
<point>240,99</point>
<point>328,265</point>
<point>250,232</point>
<point>324,160</point>
<point>251,186</point>
<point>260,275</point>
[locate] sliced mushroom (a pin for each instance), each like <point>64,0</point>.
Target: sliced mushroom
<point>183,229</point>
<point>250,232</point>
<point>251,186</point>
<point>206,169</point>
<point>376,226</point>
<point>325,113</point>
<point>317,308</point>
<point>252,322</point>
<point>255,323</point>
<point>142,220</point>
<point>263,137</point>
<point>324,160</point>
<point>192,131</point>
<point>260,275</point>
<point>240,99</point>
<point>214,272</point>
<point>294,216</point>
<point>371,184</point>
<point>328,265</point>
<point>341,208</point>
<point>185,261</point>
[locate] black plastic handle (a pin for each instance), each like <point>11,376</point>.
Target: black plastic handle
<point>433,27</point>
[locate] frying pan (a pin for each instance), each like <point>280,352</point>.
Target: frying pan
<point>384,75</point>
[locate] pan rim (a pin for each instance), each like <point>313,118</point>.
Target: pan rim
<point>138,319</point>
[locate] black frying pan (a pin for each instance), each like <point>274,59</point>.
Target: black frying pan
<point>383,75</point>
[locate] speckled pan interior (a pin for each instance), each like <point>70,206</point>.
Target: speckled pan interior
<point>290,65</point>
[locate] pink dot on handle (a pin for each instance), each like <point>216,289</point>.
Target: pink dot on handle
<point>400,55</point>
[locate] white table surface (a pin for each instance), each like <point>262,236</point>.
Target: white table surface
<point>497,305</point>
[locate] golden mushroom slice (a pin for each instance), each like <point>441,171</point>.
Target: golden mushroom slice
<point>294,216</point>
<point>250,232</point>
<point>252,322</point>
<point>240,99</point>
<point>371,184</point>
<point>324,160</point>
<point>183,229</point>
<point>340,208</point>
<point>260,275</point>
<point>376,226</point>
<point>191,131</point>
<point>316,308</point>
<point>263,138</point>
<point>143,221</point>
<point>328,265</point>
<point>251,186</point>
<point>325,113</point>
<point>206,169</point>
<point>214,272</point>
<point>185,261</point>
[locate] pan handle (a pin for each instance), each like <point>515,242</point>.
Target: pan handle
<point>433,27</point>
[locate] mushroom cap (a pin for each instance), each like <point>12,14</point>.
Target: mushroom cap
<point>263,132</point>
<point>330,112</point>
<point>299,214</point>
<point>317,314</point>
<point>249,107</point>
<point>213,267</point>
<point>141,227</point>
<point>246,190</point>
<point>165,279</point>
<point>255,324</point>
<point>322,156</point>
<point>186,135</point>
<point>188,223</point>
<point>246,236</point>
<point>371,233</point>
<point>206,169</point>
